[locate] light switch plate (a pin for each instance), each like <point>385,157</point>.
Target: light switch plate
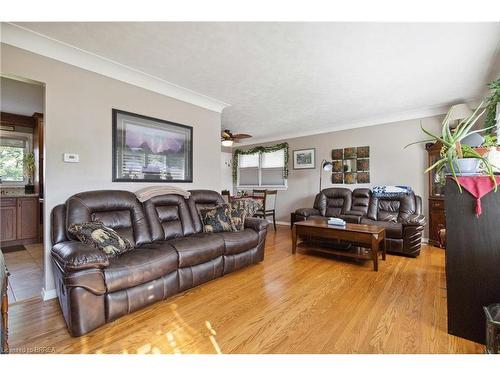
<point>71,158</point>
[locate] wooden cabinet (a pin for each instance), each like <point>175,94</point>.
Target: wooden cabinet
<point>437,217</point>
<point>8,219</point>
<point>4,306</point>
<point>19,220</point>
<point>27,218</point>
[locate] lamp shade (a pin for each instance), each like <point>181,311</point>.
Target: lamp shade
<point>227,142</point>
<point>459,112</point>
<point>327,166</point>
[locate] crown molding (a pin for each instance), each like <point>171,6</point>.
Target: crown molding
<point>374,121</point>
<point>40,44</point>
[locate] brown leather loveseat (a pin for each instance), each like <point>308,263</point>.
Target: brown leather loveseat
<point>171,253</point>
<point>401,216</point>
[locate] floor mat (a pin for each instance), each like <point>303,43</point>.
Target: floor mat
<point>11,249</point>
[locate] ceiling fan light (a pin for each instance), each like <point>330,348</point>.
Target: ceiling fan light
<point>227,142</point>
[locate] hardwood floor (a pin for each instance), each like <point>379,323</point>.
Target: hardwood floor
<point>303,303</point>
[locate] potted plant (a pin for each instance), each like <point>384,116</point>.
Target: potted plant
<point>29,169</point>
<point>492,104</point>
<point>456,158</point>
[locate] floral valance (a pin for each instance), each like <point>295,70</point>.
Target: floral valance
<point>261,149</point>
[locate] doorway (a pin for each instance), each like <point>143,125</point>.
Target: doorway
<point>21,185</point>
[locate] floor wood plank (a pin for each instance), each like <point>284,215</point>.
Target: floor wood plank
<point>303,303</point>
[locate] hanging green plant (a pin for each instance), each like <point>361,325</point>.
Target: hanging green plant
<point>260,149</point>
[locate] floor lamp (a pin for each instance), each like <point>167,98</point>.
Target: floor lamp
<point>325,166</point>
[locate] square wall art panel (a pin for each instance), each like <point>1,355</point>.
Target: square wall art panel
<point>351,165</point>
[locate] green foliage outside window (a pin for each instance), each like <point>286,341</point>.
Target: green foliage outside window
<point>11,164</point>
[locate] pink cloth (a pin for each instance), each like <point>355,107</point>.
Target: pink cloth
<point>478,186</point>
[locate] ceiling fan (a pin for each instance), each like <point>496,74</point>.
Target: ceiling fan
<point>228,138</point>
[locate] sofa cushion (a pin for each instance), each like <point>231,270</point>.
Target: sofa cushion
<point>140,265</point>
<point>199,200</point>
<point>168,216</point>
<point>238,242</point>
<point>361,200</point>
<point>117,209</point>
<point>392,208</point>
<point>217,219</point>
<point>317,217</point>
<point>392,229</point>
<point>198,248</point>
<point>238,216</point>
<point>333,202</point>
<point>97,235</point>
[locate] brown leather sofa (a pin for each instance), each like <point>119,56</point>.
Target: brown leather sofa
<point>401,216</point>
<point>171,253</point>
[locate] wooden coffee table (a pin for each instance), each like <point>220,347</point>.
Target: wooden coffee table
<point>369,236</point>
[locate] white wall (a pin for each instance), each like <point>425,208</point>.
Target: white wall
<point>20,98</point>
<point>77,112</point>
<point>390,164</point>
<point>226,171</point>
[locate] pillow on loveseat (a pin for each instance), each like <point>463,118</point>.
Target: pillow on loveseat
<point>238,216</point>
<point>217,219</point>
<point>97,235</point>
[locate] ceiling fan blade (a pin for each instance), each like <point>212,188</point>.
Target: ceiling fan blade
<point>241,136</point>
<point>225,134</point>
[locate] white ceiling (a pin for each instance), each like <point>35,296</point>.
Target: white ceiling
<point>286,79</point>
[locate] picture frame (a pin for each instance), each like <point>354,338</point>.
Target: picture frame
<point>148,149</point>
<point>304,159</point>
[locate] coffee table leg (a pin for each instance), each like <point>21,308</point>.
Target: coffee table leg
<point>385,248</point>
<point>294,239</point>
<point>375,247</point>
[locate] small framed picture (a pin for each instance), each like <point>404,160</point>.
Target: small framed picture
<point>304,159</point>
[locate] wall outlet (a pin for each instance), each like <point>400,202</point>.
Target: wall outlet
<point>71,158</point>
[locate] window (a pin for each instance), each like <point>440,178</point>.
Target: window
<point>13,147</point>
<point>261,170</point>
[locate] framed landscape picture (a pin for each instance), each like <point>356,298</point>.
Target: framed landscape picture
<point>304,159</point>
<point>147,149</point>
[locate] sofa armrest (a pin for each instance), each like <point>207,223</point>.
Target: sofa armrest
<point>415,219</point>
<point>256,224</point>
<point>306,212</point>
<point>75,256</point>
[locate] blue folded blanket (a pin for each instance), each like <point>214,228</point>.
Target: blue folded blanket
<point>391,191</point>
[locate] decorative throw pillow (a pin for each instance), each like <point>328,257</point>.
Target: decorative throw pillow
<point>97,235</point>
<point>217,219</point>
<point>238,216</point>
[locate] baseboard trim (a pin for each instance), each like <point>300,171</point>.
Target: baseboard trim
<point>48,294</point>
<point>283,223</point>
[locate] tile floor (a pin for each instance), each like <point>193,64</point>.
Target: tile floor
<point>26,272</point>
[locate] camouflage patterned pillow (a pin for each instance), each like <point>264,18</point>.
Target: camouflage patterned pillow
<point>217,219</point>
<point>238,216</point>
<point>97,235</point>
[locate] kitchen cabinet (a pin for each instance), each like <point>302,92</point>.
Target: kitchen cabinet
<point>19,220</point>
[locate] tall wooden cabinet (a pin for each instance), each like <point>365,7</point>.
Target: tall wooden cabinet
<point>437,218</point>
